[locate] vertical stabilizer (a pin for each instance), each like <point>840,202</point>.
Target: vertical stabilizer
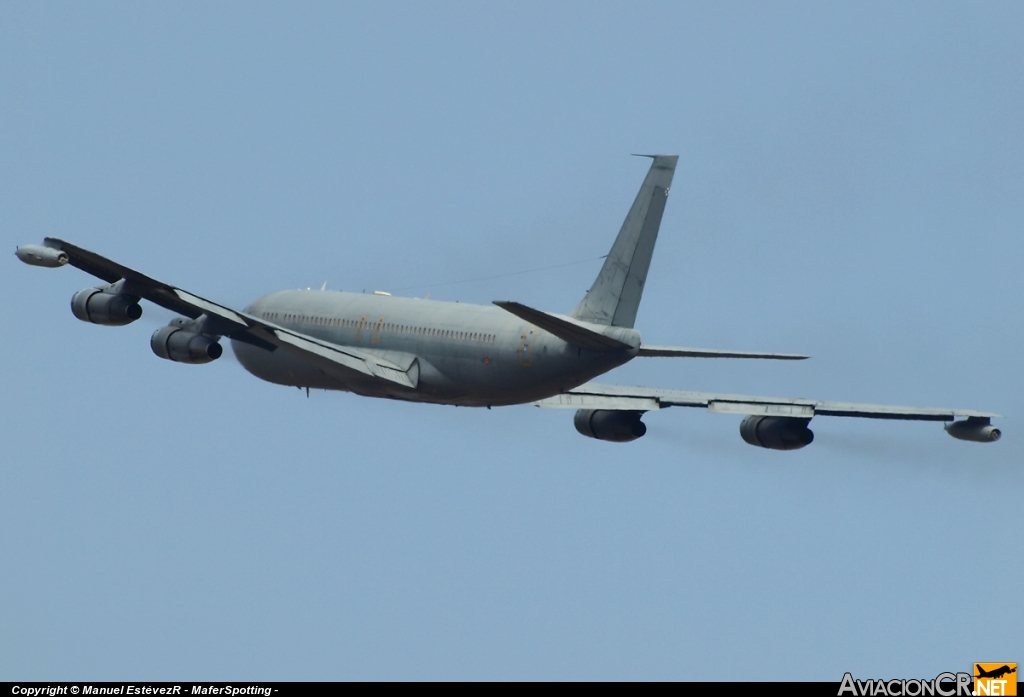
<point>615,295</point>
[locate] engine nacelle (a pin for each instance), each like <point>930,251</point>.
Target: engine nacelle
<point>177,344</point>
<point>37,255</point>
<point>615,426</point>
<point>100,306</point>
<point>974,428</point>
<point>776,432</point>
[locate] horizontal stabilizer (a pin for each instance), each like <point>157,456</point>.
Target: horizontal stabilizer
<point>565,329</point>
<point>684,352</point>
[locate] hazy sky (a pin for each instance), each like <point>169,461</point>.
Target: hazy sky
<point>850,185</point>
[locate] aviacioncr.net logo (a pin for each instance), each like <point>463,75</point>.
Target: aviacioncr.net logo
<point>943,685</point>
<point>995,679</point>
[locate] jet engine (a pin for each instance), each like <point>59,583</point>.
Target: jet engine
<point>176,343</point>
<point>615,426</point>
<point>776,432</point>
<point>106,307</point>
<point>975,428</point>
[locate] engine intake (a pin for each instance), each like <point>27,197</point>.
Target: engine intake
<point>776,432</point>
<point>975,428</point>
<point>100,306</point>
<point>614,426</point>
<point>177,344</point>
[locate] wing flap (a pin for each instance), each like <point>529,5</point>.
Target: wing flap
<point>570,400</point>
<point>803,411</point>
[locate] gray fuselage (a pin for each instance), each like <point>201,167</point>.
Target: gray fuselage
<point>469,355</point>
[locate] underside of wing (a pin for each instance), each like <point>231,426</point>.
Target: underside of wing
<point>612,412</point>
<point>598,396</point>
<point>343,362</point>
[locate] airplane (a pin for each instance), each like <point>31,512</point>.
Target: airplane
<point>420,350</point>
<point>996,673</point>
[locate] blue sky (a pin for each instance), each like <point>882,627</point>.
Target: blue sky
<point>850,185</point>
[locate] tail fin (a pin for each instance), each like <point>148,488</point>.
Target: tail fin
<point>615,295</point>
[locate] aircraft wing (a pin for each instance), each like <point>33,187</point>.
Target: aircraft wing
<point>344,362</point>
<point>616,397</point>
